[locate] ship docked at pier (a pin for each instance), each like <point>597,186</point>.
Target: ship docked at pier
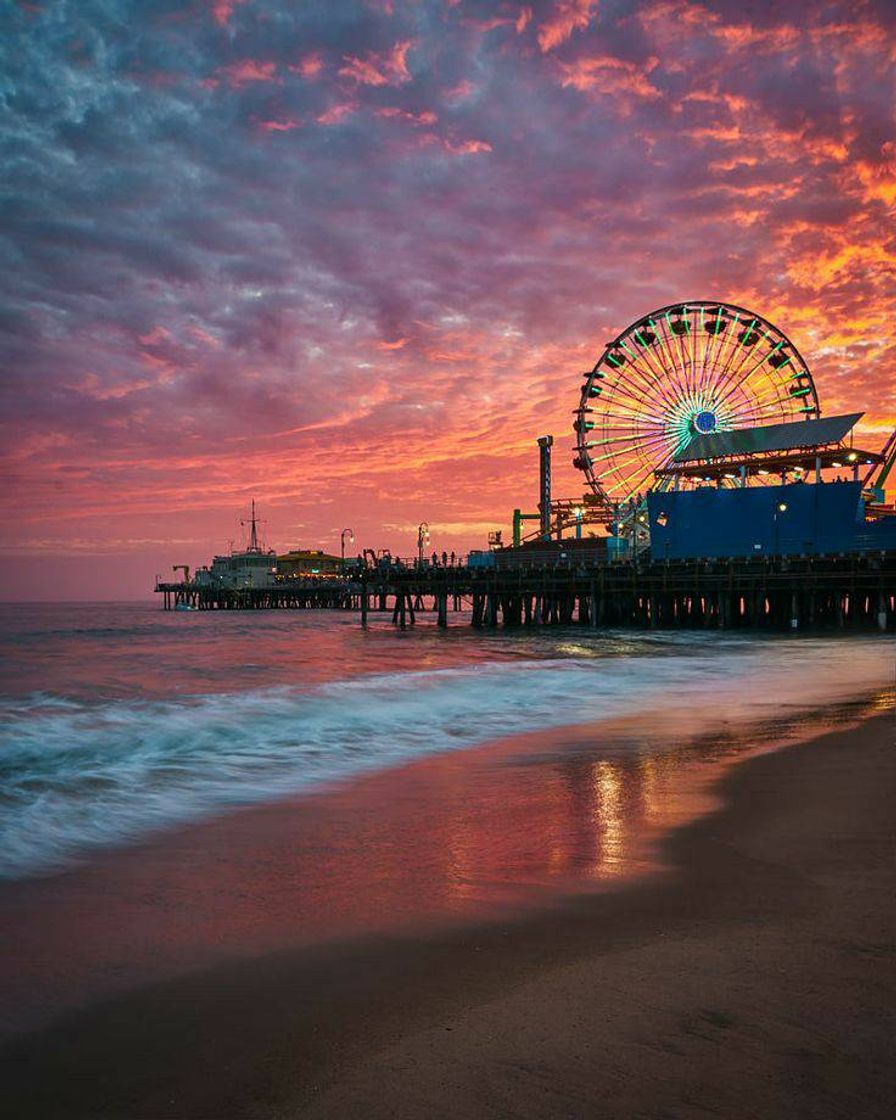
<point>252,567</point>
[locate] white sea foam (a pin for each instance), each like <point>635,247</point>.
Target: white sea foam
<point>76,776</point>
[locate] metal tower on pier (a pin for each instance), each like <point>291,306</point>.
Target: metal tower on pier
<point>253,534</point>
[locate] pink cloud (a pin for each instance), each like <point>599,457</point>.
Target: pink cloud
<point>567,16</point>
<point>285,125</point>
<point>336,113</point>
<point>91,386</point>
<point>204,337</point>
<point>425,117</point>
<point>248,70</point>
<point>154,337</point>
<point>466,147</point>
<point>611,76</point>
<point>223,9</point>
<point>745,36</point>
<point>459,92</point>
<point>486,25</point>
<point>309,66</point>
<point>386,69</point>
<point>156,361</point>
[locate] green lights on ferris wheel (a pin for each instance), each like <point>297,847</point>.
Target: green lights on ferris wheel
<point>750,336</point>
<point>690,369</point>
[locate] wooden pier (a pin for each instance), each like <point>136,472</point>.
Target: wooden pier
<point>787,593</point>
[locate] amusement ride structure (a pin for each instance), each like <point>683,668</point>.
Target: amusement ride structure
<point>687,369</point>
<point>695,393</point>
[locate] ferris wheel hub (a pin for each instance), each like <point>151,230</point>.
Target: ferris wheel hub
<point>705,422</point>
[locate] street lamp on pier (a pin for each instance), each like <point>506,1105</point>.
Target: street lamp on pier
<point>351,537</point>
<point>422,540</point>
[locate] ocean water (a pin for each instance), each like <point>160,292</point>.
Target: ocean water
<point>119,720</point>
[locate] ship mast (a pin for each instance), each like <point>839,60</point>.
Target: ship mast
<point>253,535</point>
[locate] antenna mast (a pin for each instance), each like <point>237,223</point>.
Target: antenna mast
<point>253,535</point>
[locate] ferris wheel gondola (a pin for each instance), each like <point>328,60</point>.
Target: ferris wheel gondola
<point>687,369</point>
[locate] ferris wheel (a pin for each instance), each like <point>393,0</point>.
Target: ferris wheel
<point>686,369</point>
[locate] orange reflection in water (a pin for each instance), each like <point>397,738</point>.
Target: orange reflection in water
<point>608,818</point>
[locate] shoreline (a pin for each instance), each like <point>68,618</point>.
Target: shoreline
<point>788,937</point>
<point>494,832</point>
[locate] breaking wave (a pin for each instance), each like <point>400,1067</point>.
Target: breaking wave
<point>75,775</point>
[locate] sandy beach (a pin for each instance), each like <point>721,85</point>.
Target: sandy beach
<point>755,977</point>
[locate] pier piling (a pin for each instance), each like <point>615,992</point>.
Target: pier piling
<point>793,593</point>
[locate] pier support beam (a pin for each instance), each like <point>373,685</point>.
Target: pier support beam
<point>789,594</point>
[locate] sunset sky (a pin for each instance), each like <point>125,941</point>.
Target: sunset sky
<point>350,259</point>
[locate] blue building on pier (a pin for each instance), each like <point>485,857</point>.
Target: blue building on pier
<point>724,516</point>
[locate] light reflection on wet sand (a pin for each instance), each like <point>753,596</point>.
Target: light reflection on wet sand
<point>461,836</point>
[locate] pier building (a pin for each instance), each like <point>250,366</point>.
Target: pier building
<point>807,512</point>
<point>302,563</point>
<point>793,519</point>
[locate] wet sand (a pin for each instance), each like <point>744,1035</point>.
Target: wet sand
<point>756,977</point>
<point>450,839</point>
